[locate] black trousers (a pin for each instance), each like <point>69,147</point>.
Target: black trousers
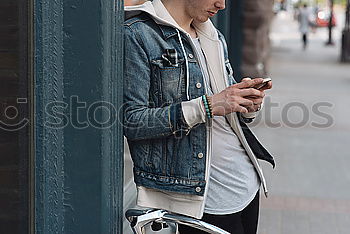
<point>304,38</point>
<point>243,222</point>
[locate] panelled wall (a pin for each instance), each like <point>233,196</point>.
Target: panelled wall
<point>14,117</point>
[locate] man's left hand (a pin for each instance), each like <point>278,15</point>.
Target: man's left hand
<point>257,101</point>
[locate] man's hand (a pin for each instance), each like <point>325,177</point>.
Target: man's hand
<point>241,97</point>
<point>257,100</point>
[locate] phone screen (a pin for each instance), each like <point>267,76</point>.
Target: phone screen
<point>260,86</point>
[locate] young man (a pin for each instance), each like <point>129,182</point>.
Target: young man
<point>184,117</point>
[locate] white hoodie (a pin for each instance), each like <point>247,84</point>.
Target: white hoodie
<point>193,205</point>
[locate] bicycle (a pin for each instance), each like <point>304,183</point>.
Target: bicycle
<point>158,219</point>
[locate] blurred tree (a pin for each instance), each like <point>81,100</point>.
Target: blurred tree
<point>330,25</point>
<point>340,2</point>
<point>345,49</point>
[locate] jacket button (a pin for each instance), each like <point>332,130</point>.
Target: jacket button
<point>190,56</point>
<point>199,85</point>
<point>200,155</point>
<point>198,189</point>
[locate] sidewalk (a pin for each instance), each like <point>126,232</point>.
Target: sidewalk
<point>310,186</point>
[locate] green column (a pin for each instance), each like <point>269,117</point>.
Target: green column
<point>78,135</point>
<point>235,41</point>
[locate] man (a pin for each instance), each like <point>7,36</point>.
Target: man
<point>304,24</point>
<point>183,115</point>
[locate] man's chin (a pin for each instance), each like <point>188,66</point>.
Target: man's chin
<point>201,20</point>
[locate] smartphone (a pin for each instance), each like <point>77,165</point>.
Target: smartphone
<point>263,84</point>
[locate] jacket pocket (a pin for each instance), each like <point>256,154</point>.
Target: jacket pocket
<point>169,80</point>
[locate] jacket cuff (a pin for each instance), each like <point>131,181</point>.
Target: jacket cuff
<point>249,117</point>
<point>193,112</point>
<point>177,121</point>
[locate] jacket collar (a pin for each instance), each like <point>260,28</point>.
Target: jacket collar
<point>167,31</point>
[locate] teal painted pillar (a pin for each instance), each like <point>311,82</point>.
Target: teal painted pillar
<point>230,23</point>
<point>236,38</point>
<point>78,61</point>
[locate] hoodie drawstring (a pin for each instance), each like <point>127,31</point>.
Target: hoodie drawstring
<point>186,60</point>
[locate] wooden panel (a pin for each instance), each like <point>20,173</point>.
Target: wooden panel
<point>9,154</point>
<point>8,14</point>
<point>14,150</point>
<point>8,60</point>
<point>9,201</point>
<point>9,179</point>
<point>9,38</point>
<point>9,89</point>
<point>8,225</point>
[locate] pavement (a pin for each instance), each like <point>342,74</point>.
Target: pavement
<point>305,124</point>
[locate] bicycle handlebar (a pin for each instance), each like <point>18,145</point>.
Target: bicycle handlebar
<point>139,218</point>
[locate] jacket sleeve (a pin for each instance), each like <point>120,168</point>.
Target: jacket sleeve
<point>141,121</point>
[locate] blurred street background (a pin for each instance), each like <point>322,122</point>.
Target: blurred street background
<point>306,126</point>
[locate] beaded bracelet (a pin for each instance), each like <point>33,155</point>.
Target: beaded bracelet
<point>207,106</point>
<point>210,107</point>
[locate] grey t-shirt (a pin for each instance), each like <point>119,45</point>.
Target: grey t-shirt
<point>233,181</point>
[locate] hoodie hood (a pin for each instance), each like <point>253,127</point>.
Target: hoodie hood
<point>160,14</point>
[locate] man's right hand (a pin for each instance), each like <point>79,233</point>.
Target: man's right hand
<point>234,98</point>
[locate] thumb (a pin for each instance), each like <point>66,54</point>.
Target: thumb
<point>246,79</point>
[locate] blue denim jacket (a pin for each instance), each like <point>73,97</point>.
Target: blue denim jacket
<point>163,148</point>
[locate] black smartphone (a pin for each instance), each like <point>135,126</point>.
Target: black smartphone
<point>263,84</point>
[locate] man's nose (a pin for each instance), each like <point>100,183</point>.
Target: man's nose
<point>220,4</point>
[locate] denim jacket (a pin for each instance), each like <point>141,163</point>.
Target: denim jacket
<point>161,72</point>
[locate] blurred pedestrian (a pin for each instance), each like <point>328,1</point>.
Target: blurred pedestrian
<point>304,24</point>
<point>185,117</point>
